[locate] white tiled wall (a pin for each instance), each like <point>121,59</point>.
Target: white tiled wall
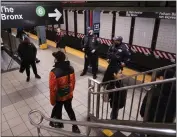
<point>122,27</point>
<point>166,40</point>
<point>106,25</point>
<point>80,23</point>
<point>143,31</point>
<point>63,26</point>
<point>71,21</point>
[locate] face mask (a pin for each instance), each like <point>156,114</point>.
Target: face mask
<point>90,32</point>
<point>55,60</point>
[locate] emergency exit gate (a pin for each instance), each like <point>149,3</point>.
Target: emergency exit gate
<point>137,32</point>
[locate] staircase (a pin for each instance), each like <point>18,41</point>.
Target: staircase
<point>128,117</point>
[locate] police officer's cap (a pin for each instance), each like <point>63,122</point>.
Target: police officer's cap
<point>89,28</point>
<point>118,38</point>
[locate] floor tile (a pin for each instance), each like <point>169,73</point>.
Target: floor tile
<point>25,94</point>
<point>5,126</point>
<point>25,117</point>
<point>30,100</point>
<point>20,104</point>
<point>26,134</point>
<point>8,109</point>
<point>43,102</point>
<point>7,133</point>
<point>39,97</point>
<point>3,119</point>
<point>15,121</point>
<point>18,130</point>
<point>34,132</point>
<point>24,110</point>
<point>29,125</point>
<point>15,97</point>
<point>5,101</point>
<point>11,115</point>
<point>34,105</point>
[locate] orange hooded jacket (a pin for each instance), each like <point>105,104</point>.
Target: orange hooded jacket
<point>58,78</point>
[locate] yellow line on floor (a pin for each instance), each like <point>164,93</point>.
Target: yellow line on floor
<point>102,62</point>
<point>107,132</point>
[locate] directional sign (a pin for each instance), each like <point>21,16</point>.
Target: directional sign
<point>27,15</point>
<point>160,15</point>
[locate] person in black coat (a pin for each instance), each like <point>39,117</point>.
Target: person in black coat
<point>21,34</point>
<point>117,99</point>
<point>118,54</point>
<point>166,94</point>
<point>27,52</point>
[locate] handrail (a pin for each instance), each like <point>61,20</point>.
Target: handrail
<point>139,73</point>
<point>135,86</point>
<point>122,127</point>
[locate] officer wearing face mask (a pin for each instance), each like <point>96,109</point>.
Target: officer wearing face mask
<point>90,46</point>
<point>118,54</point>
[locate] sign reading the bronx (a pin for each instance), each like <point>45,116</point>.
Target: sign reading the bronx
<point>28,15</point>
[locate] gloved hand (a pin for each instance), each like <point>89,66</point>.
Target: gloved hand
<point>122,64</point>
<point>93,51</point>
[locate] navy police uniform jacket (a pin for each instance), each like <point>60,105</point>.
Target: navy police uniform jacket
<point>118,54</point>
<point>89,43</point>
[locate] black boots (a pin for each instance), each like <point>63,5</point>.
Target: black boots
<point>75,129</point>
<point>28,79</point>
<point>83,73</point>
<point>94,76</point>
<point>56,125</point>
<point>37,76</point>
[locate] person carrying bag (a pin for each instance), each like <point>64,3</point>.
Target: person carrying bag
<point>61,84</point>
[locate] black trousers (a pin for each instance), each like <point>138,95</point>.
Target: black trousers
<point>57,110</point>
<point>27,67</point>
<point>91,58</point>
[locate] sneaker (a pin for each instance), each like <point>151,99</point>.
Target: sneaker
<point>37,61</point>
<point>56,125</point>
<point>94,76</point>
<point>59,125</point>
<point>83,73</point>
<point>28,79</point>
<point>75,129</point>
<point>37,76</point>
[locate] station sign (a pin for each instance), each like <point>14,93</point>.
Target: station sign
<point>160,15</point>
<point>27,15</point>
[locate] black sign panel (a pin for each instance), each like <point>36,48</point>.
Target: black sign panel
<point>96,27</point>
<point>27,15</point>
<point>161,15</point>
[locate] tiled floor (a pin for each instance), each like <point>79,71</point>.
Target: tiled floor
<point>19,97</point>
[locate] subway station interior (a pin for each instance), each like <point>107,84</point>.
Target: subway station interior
<point>88,68</point>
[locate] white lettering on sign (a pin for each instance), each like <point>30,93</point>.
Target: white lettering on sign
<point>5,10</point>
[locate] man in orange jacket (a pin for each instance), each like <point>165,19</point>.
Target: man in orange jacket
<point>61,84</point>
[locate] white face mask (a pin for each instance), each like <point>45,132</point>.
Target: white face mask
<point>55,60</point>
<point>91,32</point>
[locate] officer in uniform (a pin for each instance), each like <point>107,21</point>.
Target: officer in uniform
<point>90,47</point>
<point>118,55</point>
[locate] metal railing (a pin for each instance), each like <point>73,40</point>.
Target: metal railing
<point>128,118</point>
<point>99,100</point>
<point>151,129</point>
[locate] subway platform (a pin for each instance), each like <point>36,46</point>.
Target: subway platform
<point>19,96</point>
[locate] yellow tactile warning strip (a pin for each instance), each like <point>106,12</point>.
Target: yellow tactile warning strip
<point>107,132</point>
<point>102,62</point>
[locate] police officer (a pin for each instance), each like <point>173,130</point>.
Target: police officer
<point>90,46</point>
<point>118,55</point>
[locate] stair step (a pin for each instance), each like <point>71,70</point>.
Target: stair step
<point>136,135</point>
<point>118,134</point>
